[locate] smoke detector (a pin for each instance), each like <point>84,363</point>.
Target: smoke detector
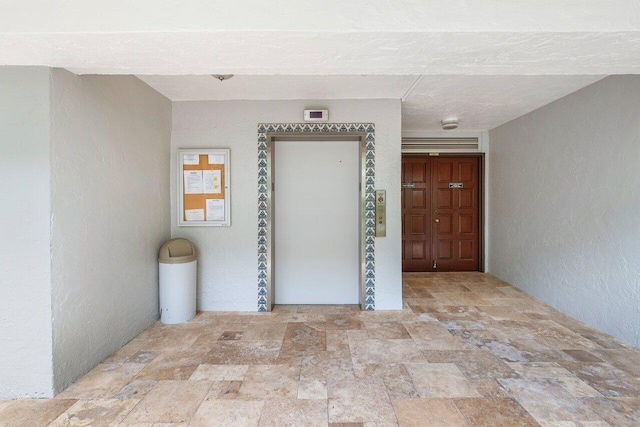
<point>222,77</point>
<point>449,123</point>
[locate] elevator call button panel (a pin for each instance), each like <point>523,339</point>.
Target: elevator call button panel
<point>381,213</point>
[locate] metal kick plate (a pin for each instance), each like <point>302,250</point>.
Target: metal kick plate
<point>381,213</point>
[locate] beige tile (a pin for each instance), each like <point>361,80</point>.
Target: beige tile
<point>293,413</point>
<point>326,364</point>
<point>428,413</point>
<point>516,350</point>
<point>265,331</point>
<point>627,360</point>
<point>385,351</point>
<point>228,413</point>
<point>103,381</point>
<point>243,353</point>
<point>270,381</point>
<point>220,372</point>
<point>503,313</point>
<point>395,376</point>
<point>32,412</point>
<point>440,380</point>
<point>359,401</point>
<point>481,365</point>
<point>224,390</point>
<point>548,401</point>
<point>302,337</point>
<point>386,330</point>
<point>172,365</point>
<point>432,336</point>
<point>338,343</point>
<point>495,413</point>
<point>312,388</point>
<point>490,389</point>
<point>136,389</point>
<point>466,334</point>
<point>577,387</point>
<point>170,402</point>
<point>617,411</point>
<point>540,370</point>
<point>230,335</point>
<point>342,322</point>
<point>172,337</point>
<point>582,356</point>
<point>96,413</point>
<point>125,352</point>
<point>559,337</point>
<point>605,378</point>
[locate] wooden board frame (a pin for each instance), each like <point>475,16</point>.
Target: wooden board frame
<point>198,201</point>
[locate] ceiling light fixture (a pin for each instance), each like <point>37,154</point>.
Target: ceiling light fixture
<point>449,123</point>
<point>222,77</point>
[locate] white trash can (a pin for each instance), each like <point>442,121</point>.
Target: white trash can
<point>178,262</point>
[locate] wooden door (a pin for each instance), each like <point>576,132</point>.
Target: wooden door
<point>416,214</point>
<point>440,214</point>
<point>456,210</point>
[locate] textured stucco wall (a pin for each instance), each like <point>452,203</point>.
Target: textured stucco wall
<point>227,276</point>
<point>110,214</point>
<point>565,205</point>
<point>26,369</point>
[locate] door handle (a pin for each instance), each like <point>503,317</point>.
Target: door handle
<point>408,185</point>
<point>436,220</point>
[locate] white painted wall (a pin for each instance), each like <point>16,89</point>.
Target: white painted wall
<point>565,205</point>
<point>110,214</point>
<point>26,369</point>
<point>317,227</point>
<point>228,255</point>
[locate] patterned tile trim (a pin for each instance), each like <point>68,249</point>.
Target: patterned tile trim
<point>370,175</point>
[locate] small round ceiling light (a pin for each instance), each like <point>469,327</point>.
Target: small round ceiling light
<point>222,77</point>
<point>449,123</point>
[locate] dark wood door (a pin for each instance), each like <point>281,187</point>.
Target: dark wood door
<point>440,214</point>
<point>416,214</point>
<point>456,211</point>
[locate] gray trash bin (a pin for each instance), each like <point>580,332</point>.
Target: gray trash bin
<point>178,265</point>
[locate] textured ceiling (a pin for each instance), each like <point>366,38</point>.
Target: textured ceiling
<point>481,102</point>
<point>486,61</point>
<point>206,87</point>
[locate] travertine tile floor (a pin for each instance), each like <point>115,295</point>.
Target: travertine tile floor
<point>467,350</point>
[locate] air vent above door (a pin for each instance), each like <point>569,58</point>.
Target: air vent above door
<point>439,145</point>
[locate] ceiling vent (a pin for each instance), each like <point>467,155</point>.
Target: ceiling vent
<point>439,145</point>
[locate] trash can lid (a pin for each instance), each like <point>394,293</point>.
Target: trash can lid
<point>177,251</point>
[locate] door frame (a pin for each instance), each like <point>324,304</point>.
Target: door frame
<point>267,135</point>
<point>481,200</point>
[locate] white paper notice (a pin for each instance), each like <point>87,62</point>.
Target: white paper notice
<point>215,209</point>
<point>192,182</point>
<point>194,214</point>
<point>216,159</point>
<point>191,159</point>
<point>212,181</point>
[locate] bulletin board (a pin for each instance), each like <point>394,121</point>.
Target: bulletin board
<point>203,187</point>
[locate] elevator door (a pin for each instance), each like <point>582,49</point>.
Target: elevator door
<point>316,228</point>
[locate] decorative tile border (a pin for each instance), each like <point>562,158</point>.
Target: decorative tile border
<point>370,242</point>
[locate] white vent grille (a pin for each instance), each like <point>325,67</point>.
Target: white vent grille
<point>440,145</point>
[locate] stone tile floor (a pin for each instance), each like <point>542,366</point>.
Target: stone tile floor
<point>467,350</point>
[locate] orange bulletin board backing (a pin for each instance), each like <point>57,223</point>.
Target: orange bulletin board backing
<point>203,187</point>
